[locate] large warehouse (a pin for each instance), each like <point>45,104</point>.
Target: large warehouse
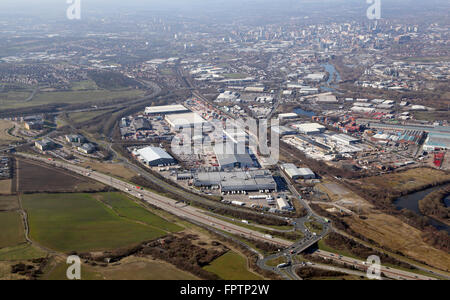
<point>166,109</point>
<point>186,120</point>
<point>229,156</point>
<point>154,156</point>
<point>248,181</point>
<point>297,173</point>
<point>310,128</point>
<point>436,141</point>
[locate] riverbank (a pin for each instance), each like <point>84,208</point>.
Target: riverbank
<point>435,205</point>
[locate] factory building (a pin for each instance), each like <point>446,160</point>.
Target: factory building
<point>44,144</point>
<point>75,138</point>
<point>141,124</point>
<point>437,141</point>
<point>230,156</point>
<point>87,148</point>
<point>166,109</point>
<point>237,181</point>
<point>283,130</point>
<point>287,116</point>
<point>310,128</point>
<point>293,172</point>
<point>186,120</point>
<point>345,139</point>
<point>154,156</point>
<point>283,204</point>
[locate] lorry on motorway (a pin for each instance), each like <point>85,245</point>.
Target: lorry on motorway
<point>283,265</point>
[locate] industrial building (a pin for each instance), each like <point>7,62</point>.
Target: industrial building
<point>75,138</point>
<point>186,120</point>
<point>345,139</point>
<point>231,155</point>
<point>310,128</point>
<point>44,144</point>
<point>287,116</point>
<point>293,172</point>
<point>283,130</point>
<point>283,204</point>
<point>87,148</point>
<point>154,156</point>
<point>141,124</point>
<point>166,109</point>
<point>237,181</point>
<point>437,141</point>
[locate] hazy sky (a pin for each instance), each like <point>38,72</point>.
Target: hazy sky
<point>58,7</point>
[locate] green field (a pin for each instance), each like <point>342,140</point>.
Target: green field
<point>12,231</point>
<point>80,117</point>
<point>21,252</point>
<point>127,208</point>
<point>78,222</point>
<point>16,100</point>
<point>231,266</point>
<point>130,268</point>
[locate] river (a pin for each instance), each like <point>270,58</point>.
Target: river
<point>305,113</point>
<point>331,82</point>
<point>411,202</point>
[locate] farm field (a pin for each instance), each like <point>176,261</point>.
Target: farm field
<point>125,207</point>
<point>34,177</point>
<point>21,252</point>
<point>70,97</point>
<point>231,266</point>
<point>12,230</point>
<point>9,203</point>
<point>130,268</point>
<point>116,170</point>
<point>5,187</point>
<point>78,222</point>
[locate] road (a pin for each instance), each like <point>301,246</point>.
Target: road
<point>362,265</point>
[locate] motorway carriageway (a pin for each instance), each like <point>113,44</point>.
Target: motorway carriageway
<point>167,204</point>
<point>397,274</point>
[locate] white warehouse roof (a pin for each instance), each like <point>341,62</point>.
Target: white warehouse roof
<point>310,128</point>
<point>150,154</point>
<point>165,109</point>
<point>185,120</point>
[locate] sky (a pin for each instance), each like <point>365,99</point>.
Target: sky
<point>55,7</point>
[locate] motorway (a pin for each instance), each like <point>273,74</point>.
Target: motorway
<point>359,264</point>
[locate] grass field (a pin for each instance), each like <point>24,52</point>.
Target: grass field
<point>12,230</point>
<point>5,187</point>
<point>115,170</point>
<point>276,261</point>
<point>8,101</point>
<point>5,137</point>
<point>392,233</point>
<point>81,117</point>
<point>407,180</point>
<point>78,222</point>
<point>130,268</point>
<point>231,266</point>
<point>125,207</point>
<point>9,203</point>
<point>21,252</point>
